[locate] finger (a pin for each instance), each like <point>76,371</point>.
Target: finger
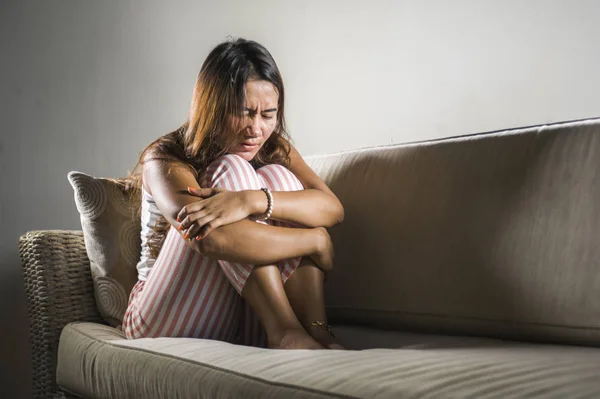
<point>183,213</point>
<point>191,219</point>
<point>208,227</point>
<point>195,227</point>
<point>194,191</point>
<point>204,192</point>
<point>205,224</point>
<point>189,209</point>
<point>192,231</point>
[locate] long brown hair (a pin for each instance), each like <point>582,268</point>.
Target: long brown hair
<point>219,93</point>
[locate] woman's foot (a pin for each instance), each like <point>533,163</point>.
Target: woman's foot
<point>296,339</point>
<point>323,336</point>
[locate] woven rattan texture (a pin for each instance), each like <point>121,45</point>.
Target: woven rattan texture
<point>59,290</point>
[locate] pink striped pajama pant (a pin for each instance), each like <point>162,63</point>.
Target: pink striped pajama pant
<point>187,294</point>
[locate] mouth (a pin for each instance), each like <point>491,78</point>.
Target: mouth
<point>249,146</point>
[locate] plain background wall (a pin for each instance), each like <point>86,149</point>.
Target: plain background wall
<point>85,85</point>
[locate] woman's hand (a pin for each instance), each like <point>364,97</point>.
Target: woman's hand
<point>323,256</point>
<point>219,207</point>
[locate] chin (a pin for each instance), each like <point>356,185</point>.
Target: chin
<point>247,156</point>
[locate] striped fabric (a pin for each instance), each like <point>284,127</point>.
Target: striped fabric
<point>187,294</point>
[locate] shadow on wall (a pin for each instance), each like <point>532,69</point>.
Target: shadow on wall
<point>456,236</point>
<point>15,367</point>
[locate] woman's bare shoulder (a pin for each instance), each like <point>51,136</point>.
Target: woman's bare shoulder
<point>159,165</point>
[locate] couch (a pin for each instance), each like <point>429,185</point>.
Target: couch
<point>466,267</point>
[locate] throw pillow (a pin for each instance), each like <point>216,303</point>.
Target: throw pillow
<point>111,232</point>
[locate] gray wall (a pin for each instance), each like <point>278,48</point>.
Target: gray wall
<point>85,85</point>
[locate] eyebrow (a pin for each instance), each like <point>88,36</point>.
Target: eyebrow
<point>266,110</point>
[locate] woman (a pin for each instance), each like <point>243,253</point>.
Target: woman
<point>234,244</point>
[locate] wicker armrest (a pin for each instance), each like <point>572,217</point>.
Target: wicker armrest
<point>59,290</point>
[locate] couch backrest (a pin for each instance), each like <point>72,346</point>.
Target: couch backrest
<point>495,234</point>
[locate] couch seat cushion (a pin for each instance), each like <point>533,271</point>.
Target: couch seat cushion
<point>96,361</point>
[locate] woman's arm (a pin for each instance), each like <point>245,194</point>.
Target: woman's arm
<point>314,206</point>
<point>250,242</point>
<point>244,241</point>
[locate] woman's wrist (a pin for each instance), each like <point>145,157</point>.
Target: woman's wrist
<point>321,240</point>
<point>310,241</point>
<point>323,251</point>
<point>256,201</point>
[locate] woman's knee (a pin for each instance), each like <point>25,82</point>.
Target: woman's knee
<point>231,172</point>
<point>279,178</point>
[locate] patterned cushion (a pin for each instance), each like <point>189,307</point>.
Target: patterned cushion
<point>112,239</point>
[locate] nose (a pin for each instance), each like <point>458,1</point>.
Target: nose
<point>255,126</point>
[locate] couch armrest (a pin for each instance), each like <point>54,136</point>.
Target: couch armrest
<point>59,290</point>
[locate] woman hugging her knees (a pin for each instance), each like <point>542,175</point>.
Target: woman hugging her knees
<point>234,239</point>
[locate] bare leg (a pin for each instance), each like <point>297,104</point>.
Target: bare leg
<point>303,282</point>
<point>260,286</point>
<point>264,292</point>
<point>304,290</point>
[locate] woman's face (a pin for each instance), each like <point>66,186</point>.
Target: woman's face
<point>258,120</point>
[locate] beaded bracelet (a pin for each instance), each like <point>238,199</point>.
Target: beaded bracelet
<point>270,201</point>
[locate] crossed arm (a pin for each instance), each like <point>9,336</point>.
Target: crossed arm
<point>231,236</point>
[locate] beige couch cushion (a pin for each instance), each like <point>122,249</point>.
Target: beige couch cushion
<point>95,361</point>
<point>495,234</point>
<point>111,232</point>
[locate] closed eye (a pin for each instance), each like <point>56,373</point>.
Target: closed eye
<point>250,111</point>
